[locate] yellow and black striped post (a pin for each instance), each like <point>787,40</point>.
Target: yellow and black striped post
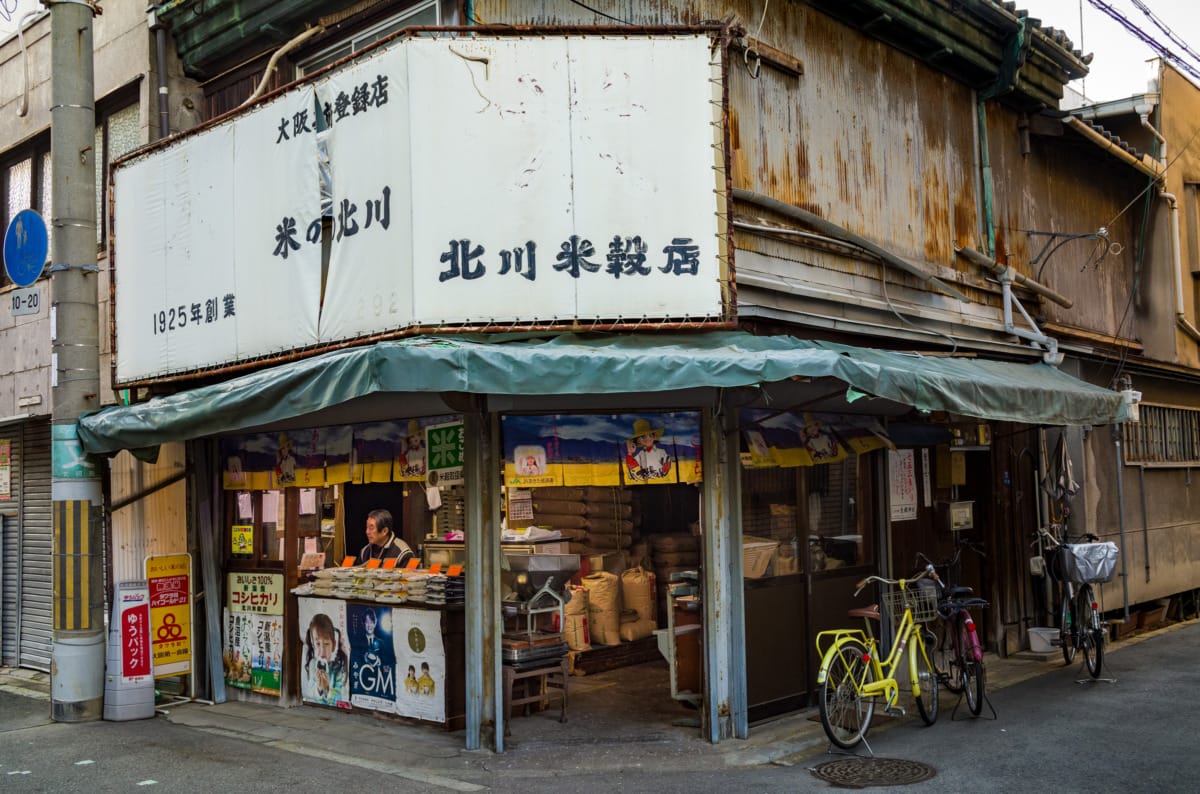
<point>78,604</point>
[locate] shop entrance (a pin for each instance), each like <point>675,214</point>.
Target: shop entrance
<point>601,573</point>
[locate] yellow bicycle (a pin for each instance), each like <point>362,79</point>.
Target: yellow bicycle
<point>852,677</point>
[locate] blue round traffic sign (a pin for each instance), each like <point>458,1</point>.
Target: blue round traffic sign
<point>25,248</point>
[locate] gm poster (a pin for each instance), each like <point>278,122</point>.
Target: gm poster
<point>372,657</point>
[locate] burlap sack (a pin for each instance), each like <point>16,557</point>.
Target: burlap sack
<point>558,507</point>
<point>604,607</point>
<point>608,509</point>
<point>637,630</point>
<point>605,541</point>
<point>610,525</point>
<point>596,493</point>
<point>559,521</point>
<point>576,633</point>
<point>577,604</point>
<point>637,593</point>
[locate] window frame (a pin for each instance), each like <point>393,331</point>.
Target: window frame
<point>1166,436</point>
<point>36,150</point>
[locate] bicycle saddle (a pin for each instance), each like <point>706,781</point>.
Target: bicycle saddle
<point>957,592</point>
<point>865,612</point>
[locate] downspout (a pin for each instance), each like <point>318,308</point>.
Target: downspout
<point>1121,517</point>
<point>1145,520</point>
<point>1006,80</point>
<point>279,53</point>
<point>160,50</point>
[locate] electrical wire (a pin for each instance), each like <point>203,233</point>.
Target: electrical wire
<point>1151,42</point>
<point>1175,38</point>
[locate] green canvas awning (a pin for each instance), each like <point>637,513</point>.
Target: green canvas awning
<point>601,364</point>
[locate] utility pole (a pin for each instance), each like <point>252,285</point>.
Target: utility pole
<point>77,672</point>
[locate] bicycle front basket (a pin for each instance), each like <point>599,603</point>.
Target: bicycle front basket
<point>1091,563</point>
<point>922,600</point>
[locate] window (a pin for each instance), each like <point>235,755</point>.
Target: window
<point>118,132</point>
<point>1165,436</point>
<point>418,14</point>
<point>25,182</point>
<point>25,172</point>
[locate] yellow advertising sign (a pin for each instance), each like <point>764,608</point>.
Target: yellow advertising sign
<point>169,577</point>
<point>243,538</point>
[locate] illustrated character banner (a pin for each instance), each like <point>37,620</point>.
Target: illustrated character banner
<point>601,449</point>
<point>372,657</point>
<point>253,651</point>
<point>324,652</point>
<point>806,439</point>
<point>421,660</point>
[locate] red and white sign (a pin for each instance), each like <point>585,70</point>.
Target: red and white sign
<point>135,635</point>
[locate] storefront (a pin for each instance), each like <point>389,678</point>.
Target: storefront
<point>624,379</point>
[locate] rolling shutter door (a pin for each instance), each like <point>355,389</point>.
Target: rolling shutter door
<point>36,586</point>
<point>10,556</point>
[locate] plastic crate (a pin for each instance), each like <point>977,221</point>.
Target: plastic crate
<point>922,601</point>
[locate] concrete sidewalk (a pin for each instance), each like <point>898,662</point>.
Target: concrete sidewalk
<point>540,746</point>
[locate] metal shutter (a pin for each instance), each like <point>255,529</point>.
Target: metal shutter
<point>36,585</point>
<point>10,557</point>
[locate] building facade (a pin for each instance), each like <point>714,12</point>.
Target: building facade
<point>900,200</point>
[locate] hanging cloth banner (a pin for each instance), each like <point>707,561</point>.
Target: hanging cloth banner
<point>807,439</point>
<point>601,450</point>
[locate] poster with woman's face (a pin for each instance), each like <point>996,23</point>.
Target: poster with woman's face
<point>324,652</point>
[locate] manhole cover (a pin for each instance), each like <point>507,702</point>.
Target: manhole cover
<point>865,772</point>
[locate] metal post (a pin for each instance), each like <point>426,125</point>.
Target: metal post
<point>1121,517</point>
<point>77,672</point>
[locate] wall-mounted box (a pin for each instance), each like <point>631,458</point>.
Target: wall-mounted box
<point>956,516</point>
<point>951,467</point>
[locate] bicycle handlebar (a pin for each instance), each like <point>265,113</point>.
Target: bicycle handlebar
<point>929,571</point>
<point>1054,542</point>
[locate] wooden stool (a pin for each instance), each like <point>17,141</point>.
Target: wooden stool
<point>551,681</point>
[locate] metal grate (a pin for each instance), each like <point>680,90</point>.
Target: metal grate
<point>922,600</point>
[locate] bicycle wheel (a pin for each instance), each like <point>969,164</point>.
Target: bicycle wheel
<point>972,685</point>
<point>1090,633</point>
<point>945,654</point>
<point>924,679</point>
<point>845,713</point>
<point>1065,627</point>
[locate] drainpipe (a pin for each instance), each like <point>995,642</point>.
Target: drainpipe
<point>1173,205</point>
<point>279,53</point>
<point>1145,520</point>
<point>1006,80</point>
<point>1121,517</point>
<point>160,47</point>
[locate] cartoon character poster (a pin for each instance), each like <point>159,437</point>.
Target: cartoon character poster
<point>807,439</point>
<point>601,449</point>
<point>324,652</point>
<point>372,657</point>
<point>421,661</point>
<point>409,463</point>
<point>253,651</point>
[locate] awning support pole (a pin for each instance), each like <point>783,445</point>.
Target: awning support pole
<point>1116,428</point>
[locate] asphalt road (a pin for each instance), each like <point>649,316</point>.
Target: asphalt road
<point>1052,733</point>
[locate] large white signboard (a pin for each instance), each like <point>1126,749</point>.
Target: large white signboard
<point>471,182</point>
